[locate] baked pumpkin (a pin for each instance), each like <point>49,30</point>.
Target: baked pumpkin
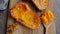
<point>50,16</point>
<point>41,4</point>
<point>25,16</point>
<point>47,17</point>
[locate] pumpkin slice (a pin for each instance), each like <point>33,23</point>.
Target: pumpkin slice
<point>26,17</point>
<point>50,16</point>
<point>47,17</point>
<point>41,4</point>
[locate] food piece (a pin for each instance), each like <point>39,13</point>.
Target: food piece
<point>44,19</point>
<point>9,30</point>
<point>12,28</point>
<point>50,16</point>
<point>25,16</point>
<point>47,17</point>
<point>41,4</point>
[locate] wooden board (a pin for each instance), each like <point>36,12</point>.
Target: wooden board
<point>24,30</point>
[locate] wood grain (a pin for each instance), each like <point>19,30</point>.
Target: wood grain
<point>24,30</point>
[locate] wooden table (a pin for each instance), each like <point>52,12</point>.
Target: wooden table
<point>24,30</point>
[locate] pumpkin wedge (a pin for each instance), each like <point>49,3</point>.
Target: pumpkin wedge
<point>26,17</point>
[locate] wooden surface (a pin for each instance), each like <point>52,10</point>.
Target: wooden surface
<point>24,30</point>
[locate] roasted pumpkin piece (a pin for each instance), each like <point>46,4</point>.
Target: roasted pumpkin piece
<point>50,16</point>
<point>25,16</point>
<point>47,17</point>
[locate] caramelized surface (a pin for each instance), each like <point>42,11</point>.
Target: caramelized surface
<point>47,17</point>
<point>49,14</point>
<point>26,17</point>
